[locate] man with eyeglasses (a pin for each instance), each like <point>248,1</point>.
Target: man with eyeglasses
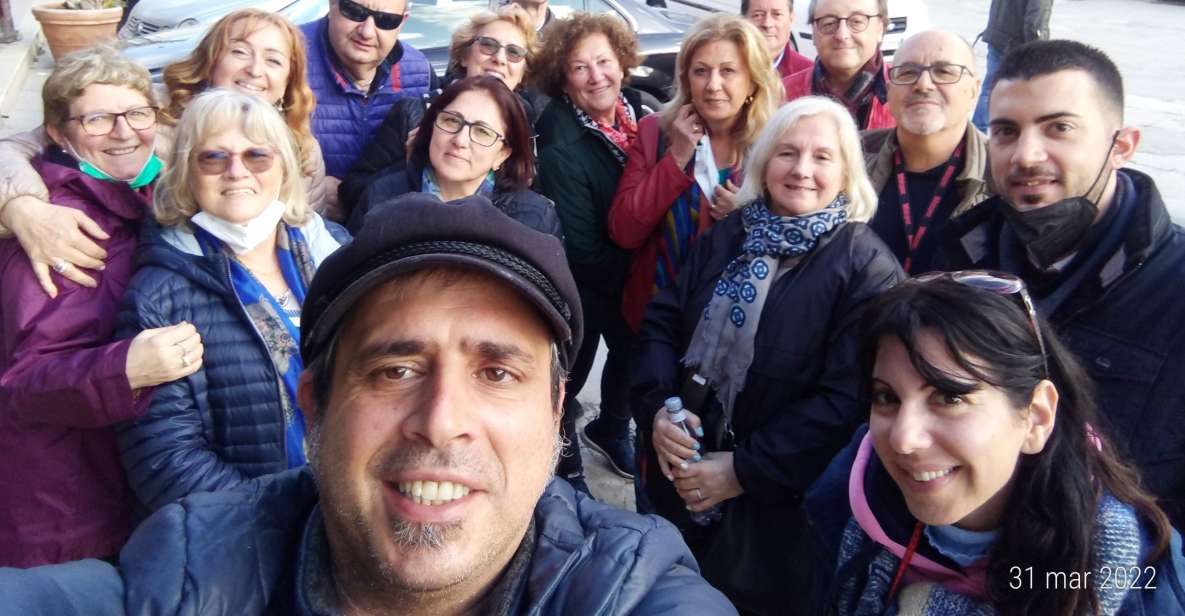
<point>933,165</point>
<point>849,66</point>
<point>1094,244</point>
<point>358,68</point>
<point>775,20</point>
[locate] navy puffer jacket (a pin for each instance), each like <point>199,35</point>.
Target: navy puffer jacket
<point>224,423</point>
<point>345,116</point>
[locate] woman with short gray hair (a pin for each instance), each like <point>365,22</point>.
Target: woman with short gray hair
<point>233,252</point>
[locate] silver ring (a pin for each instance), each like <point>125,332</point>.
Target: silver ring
<point>59,266</point>
<point>699,493</point>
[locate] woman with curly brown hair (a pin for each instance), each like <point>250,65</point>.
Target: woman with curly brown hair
<point>255,52</point>
<point>584,136</point>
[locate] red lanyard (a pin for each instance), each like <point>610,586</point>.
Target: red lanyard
<point>913,237</point>
<point>909,550</point>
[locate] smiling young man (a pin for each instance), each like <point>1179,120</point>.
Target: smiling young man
<point>357,69</point>
<point>1093,242</point>
<point>436,351</point>
<point>848,67</point>
<point>934,164</point>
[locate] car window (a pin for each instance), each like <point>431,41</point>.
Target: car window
<point>432,22</point>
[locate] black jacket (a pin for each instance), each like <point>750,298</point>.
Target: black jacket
<point>579,173</point>
<point>798,408</point>
<point>1126,324</point>
<point>1013,22</point>
<point>525,205</point>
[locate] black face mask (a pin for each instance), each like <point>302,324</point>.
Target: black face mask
<point>1053,231</point>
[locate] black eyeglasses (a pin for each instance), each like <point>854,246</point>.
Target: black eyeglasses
<point>828,24</point>
<point>99,124</point>
<point>999,283</point>
<point>356,12</point>
<point>940,72</point>
<point>479,133</point>
<point>490,46</point>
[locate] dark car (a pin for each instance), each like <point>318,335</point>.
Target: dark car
<point>158,32</point>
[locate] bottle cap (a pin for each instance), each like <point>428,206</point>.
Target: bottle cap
<point>674,403</point>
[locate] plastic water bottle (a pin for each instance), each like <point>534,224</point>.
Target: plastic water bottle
<point>678,416</point>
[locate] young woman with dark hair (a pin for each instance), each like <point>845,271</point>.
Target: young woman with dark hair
<point>475,139</point>
<point>985,481</point>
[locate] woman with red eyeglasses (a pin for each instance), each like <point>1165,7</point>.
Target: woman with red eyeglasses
<point>233,249</point>
<point>985,481</point>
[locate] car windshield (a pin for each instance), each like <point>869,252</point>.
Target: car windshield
<point>431,23</point>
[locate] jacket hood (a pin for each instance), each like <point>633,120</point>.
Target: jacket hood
<point>972,582</point>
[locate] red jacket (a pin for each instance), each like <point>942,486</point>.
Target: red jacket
<point>647,190</point>
<point>799,84</point>
<point>64,385</point>
<point>792,62</point>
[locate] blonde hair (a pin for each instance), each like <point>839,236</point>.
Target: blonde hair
<point>74,73</point>
<point>862,197</point>
<point>466,34</point>
<point>188,77</point>
<point>768,92</point>
<point>213,112</point>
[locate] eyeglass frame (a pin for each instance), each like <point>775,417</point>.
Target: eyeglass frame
<point>466,123</point>
<point>928,68</point>
<point>847,20</point>
<point>80,118</point>
<point>230,156</point>
<point>1016,286</point>
<point>381,18</point>
<point>477,41</point>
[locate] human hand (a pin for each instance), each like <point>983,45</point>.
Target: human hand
<point>164,354</point>
<point>724,200</point>
<point>708,482</point>
<point>685,133</point>
<point>51,234</point>
<point>673,447</point>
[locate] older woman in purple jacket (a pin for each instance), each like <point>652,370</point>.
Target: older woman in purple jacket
<point>63,382</point>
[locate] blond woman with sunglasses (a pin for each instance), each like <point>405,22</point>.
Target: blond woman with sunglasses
<point>232,251</point>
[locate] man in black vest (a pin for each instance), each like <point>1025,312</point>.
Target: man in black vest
<point>1094,243</point>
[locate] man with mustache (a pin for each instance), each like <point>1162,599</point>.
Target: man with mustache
<point>1093,241</point>
<point>933,165</point>
<point>358,68</point>
<point>436,345</point>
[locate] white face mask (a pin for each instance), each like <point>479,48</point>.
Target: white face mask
<point>242,238</point>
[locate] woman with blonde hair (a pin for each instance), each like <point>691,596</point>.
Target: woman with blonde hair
<point>684,168</point>
<point>252,51</point>
<point>758,337</point>
<point>233,250</point>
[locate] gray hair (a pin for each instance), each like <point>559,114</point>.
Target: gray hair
<point>74,73</point>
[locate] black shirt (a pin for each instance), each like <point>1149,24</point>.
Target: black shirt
<point>888,223</point>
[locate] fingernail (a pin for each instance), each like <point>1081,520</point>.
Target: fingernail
<point>696,458</point>
<point>699,431</point>
<point>683,465</point>
<point>695,446</point>
<point>670,477</point>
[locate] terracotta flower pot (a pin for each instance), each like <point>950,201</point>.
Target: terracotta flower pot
<point>68,30</point>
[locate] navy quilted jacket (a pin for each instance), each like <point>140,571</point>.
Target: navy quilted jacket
<point>345,116</point>
<point>223,424</point>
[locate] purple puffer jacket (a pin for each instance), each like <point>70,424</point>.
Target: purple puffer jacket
<point>63,386</point>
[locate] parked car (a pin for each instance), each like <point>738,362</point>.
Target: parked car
<point>158,32</point>
<point>905,18</point>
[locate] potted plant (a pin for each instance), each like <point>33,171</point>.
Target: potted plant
<point>74,24</point>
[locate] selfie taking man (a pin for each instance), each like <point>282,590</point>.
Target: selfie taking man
<point>436,345</point>
<point>775,20</point>
<point>1094,243</point>
<point>934,164</point>
<point>358,68</point>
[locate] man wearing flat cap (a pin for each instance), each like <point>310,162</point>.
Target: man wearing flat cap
<point>435,346</point>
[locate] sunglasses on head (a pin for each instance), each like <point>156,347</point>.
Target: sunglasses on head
<point>356,12</point>
<point>215,162</point>
<point>999,283</point>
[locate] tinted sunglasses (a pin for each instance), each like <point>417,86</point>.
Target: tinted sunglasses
<point>215,162</point>
<point>490,46</point>
<point>999,283</point>
<point>356,12</point>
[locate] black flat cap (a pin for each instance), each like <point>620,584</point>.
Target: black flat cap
<point>415,231</point>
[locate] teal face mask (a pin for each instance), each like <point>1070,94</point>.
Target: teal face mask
<point>148,173</point>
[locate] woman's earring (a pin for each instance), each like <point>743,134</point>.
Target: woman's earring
<point>749,100</point>
<point>280,106</point>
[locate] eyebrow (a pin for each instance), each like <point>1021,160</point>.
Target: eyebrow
<point>402,347</point>
<point>500,351</point>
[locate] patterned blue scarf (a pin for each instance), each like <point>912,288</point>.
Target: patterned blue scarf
<point>274,322</point>
<point>722,346</point>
